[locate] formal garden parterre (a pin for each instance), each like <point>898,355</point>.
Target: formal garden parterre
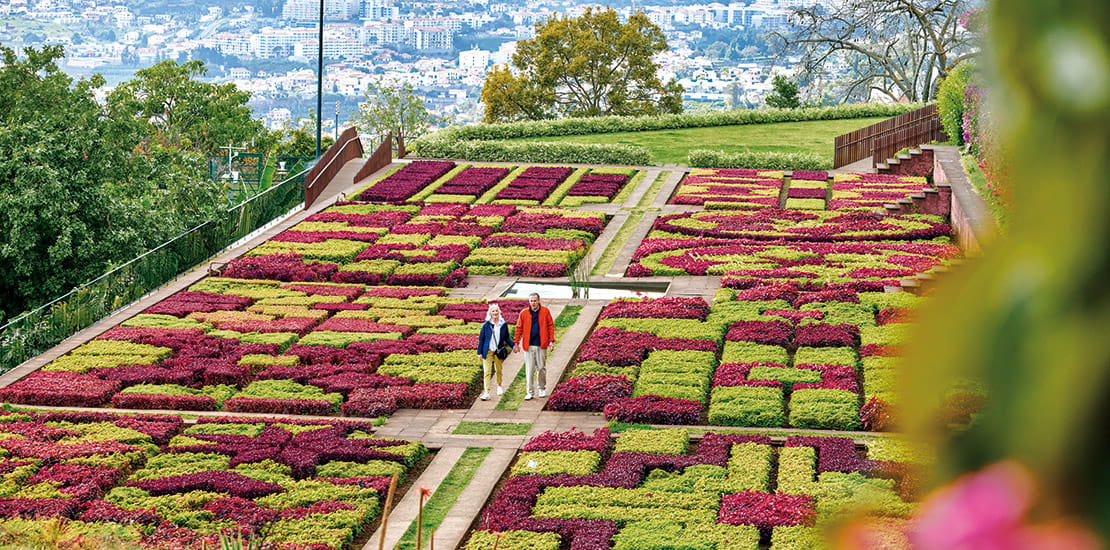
<point>353,312</point>
<point>155,481</point>
<point>658,489</point>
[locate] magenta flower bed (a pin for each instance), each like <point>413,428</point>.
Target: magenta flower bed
<point>406,182</point>
<point>234,484</point>
<point>572,440</point>
<point>804,193</point>
<point>535,269</point>
<point>280,267</point>
<point>653,409</point>
<point>810,175</point>
<point>473,181</point>
<point>746,188</point>
<point>767,510</point>
<point>660,308</point>
<point>599,185</point>
<point>535,183</point>
<point>60,389</point>
<point>820,335</point>
<point>80,470</point>
<point>588,393</point>
<point>774,333</point>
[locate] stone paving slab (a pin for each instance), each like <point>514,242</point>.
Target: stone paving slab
<point>637,195</point>
<point>454,527</point>
<point>620,264</point>
<point>405,511</point>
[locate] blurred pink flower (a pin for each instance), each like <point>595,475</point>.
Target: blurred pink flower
<point>985,511</point>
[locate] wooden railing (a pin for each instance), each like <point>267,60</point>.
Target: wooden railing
<point>882,140</point>
<point>380,158</point>
<point>345,149</point>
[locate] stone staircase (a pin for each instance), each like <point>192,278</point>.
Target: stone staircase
<point>917,162</point>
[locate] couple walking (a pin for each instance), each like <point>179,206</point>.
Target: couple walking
<point>535,330</point>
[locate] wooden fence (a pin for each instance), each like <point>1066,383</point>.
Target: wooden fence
<point>882,140</point>
<point>380,158</point>
<point>345,149</point>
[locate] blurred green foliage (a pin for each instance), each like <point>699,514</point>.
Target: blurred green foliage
<point>1030,319</point>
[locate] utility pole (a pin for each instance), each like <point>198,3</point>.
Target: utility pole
<point>337,121</point>
<point>320,80</point>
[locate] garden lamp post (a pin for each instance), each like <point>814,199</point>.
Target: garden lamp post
<point>319,79</point>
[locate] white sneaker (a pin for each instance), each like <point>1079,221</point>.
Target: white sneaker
<point>527,396</point>
<point>500,390</point>
<point>543,393</point>
<point>484,396</point>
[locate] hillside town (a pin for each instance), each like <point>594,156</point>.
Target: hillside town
<point>719,53</point>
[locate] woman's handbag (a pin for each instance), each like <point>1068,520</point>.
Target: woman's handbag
<point>503,352</point>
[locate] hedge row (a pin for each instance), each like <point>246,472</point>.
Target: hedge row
<point>702,158</point>
<point>610,124</point>
<point>481,142</point>
<point>493,151</point>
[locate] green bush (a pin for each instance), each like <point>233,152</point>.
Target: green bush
<point>827,356</point>
<point>670,441</point>
<point>751,352</point>
<point>796,537</point>
<point>610,124</point>
<point>513,540</point>
<point>496,151</point>
<point>797,470</point>
<point>702,158</point>
<point>667,535</point>
<point>885,335</point>
<point>745,406</point>
<point>698,478</point>
<point>824,409</point>
<point>837,313</point>
<point>950,101</point>
<point>749,465</point>
<point>556,462</point>
<point>838,493</point>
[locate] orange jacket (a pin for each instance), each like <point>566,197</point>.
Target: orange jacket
<point>524,328</point>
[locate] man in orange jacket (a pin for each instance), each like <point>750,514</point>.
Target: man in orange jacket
<point>535,330</point>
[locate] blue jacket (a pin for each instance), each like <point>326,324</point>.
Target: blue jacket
<point>485,336</point>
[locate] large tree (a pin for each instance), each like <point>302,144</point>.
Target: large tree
<point>80,189</point>
<point>394,108</point>
<point>893,48</point>
<point>590,65</point>
<point>185,112</point>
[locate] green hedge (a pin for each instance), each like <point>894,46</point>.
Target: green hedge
<point>703,158</point>
<point>481,142</point>
<point>610,124</point>
<point>493,151</point>
<point>950,101</point>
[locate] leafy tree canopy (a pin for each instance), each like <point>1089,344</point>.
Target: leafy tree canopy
<point>394,108</point>
<point>784,93</point>
<point>80,187</point>
<point>184,112</point>
<point>591,65</point>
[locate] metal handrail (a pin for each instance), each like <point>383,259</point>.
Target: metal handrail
<point>331,160</point>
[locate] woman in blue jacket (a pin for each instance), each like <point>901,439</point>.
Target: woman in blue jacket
<point>493,338</point>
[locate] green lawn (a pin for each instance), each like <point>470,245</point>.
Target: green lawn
<point>672,146</point>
